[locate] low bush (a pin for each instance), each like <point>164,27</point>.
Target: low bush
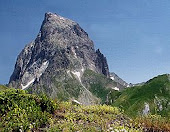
<point>22,111</point>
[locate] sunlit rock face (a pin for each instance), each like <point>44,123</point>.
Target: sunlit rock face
<point>146,109</point>
<point>61,52</point>
<point>121,84</point>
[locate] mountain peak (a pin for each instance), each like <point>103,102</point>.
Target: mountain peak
<point>55,18</point>
<point>54,27</point>
<point>61,53</point>
<point>47,14</point>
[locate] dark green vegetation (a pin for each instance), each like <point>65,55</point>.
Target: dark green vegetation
<point>2,87</point>
<point>155,92</point>
<point>98,84</point>
<point>19,110</point>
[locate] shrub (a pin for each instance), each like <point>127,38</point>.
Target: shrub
<point>19,110</point>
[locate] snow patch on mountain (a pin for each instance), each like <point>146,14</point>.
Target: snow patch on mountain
<point>77,75</point>
<point>116,88</point>
<point>42,69</point>
<point>117,79</point>
<point>77,102</point>
<point>33,73</point>
<point>28,84</point>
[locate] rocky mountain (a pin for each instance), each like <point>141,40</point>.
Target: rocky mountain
<point>119,80</point>
<point>63,63</point>
<point>121,84</point>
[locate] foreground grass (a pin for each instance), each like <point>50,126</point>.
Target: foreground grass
<point>94,118</point>
<point>20,111</point>
<point>154,123</point>
<point>2,87</point>
<point>91,118</point>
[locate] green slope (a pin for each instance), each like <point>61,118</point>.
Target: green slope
<point>3,87</point>
<point>98,84</point>
<point>155,92</point>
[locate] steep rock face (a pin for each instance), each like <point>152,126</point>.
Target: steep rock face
<point>101,63</point>
<point>56,60</point>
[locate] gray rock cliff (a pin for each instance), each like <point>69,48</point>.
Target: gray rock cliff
<point>56,60</point>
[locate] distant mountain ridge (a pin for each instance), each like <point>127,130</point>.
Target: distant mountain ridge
<point>151,97</point>
<point>55,63</point>
<point>119,80</point>
<point>123,83</point>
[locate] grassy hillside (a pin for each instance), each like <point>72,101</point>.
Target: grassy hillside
<point>2,87</point>
<point>98,84</point>
<point>155,92</point>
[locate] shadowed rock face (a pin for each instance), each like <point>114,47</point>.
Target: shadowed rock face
<point>101,63</point>
<point>61,52</point>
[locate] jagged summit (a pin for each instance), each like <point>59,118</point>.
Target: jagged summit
<point>57,26</point>
<point>56,60</point>
<point>57,18</point>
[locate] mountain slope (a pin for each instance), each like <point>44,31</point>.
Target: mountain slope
<point>120,81</point>
<point>2,87</point>
<point>152,97</point>
<point>55,62</point>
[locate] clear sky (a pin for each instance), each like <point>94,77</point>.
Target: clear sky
<point>134,35</point>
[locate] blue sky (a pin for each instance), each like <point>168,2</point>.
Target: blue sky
<point>134,35</point>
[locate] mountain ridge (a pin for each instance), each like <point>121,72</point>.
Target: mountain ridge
<point>149,98</point>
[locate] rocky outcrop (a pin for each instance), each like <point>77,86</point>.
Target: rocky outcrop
<point>101,63</point>
<point>121,84</point>
<point>56,60</point>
